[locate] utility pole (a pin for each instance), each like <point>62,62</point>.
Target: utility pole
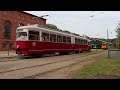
<point>107,39</point>
<point>107,42</point>
<point>107,36</point>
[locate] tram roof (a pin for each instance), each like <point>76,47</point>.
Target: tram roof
<point>38,28</point>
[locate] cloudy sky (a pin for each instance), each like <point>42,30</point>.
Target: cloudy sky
<point>91,23</point>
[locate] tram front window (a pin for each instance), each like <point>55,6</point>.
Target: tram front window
<point>21,36</point>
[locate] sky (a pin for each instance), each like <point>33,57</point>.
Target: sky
<point>91,23</point>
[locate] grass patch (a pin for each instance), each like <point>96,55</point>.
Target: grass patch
<point>96,52</point>
<point>101,67</point>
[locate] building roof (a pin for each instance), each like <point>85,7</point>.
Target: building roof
<point>33,15</point>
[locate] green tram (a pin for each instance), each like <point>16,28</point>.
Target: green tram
<point>96,44</point>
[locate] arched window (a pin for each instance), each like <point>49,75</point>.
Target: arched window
<point>7,28</point>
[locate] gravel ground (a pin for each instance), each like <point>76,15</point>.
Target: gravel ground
<point>11,65</point>
<point>28,67</point>
<point>67,73</point>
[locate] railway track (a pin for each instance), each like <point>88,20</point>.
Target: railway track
<point>36,65</point>
<point>68,62</point>
<point>39,74</point>
<point>5,59</point>
<point>75,63</point>
<point>19,59</point>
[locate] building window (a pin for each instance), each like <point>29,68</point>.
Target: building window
<point>7,27</point>
<point>3,45</point>
<point>10,46</point>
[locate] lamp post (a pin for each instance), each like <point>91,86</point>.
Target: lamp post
<point>44,16</point>
<point>39,17</point>
<point>107,38</point>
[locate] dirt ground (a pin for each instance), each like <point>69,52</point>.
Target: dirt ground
<point>68,72</point>
<point>62,70</point>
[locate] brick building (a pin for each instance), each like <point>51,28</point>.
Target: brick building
<point>9,21</point>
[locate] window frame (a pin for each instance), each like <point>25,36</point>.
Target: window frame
<point>36,36</point>
<point>7,29</point>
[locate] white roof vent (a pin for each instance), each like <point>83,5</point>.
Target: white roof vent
<point>28,24</point>
<point>36,25</point>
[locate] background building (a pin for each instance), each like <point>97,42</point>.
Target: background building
<point>9,21</point>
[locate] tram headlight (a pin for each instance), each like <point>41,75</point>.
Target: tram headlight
<point>18,46</point>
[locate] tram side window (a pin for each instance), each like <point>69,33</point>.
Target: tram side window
<point>45,36</point>
<point>64,39</point>
<point>87,42</point>
<point>82,42</point>
<point>34,35</point>
<point>52,37</point>
<point>59,38</point>
<point>75,40</point>
<point>78,41</point>
<point>68,39</point>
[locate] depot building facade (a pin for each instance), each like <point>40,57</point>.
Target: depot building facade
<point>9,21</point>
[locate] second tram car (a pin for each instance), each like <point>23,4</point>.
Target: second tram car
<point>104,45</point>
<point>35,40</point>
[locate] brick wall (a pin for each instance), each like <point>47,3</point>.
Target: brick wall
<point>15,17</point>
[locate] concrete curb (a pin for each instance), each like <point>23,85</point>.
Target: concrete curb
<point>8,56</point>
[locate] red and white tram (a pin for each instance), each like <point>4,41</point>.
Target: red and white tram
<point>35,40</point>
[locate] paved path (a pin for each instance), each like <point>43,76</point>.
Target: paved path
<point>4,54</point>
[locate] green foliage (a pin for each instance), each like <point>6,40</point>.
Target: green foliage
<point>118,32</point>
<point>51,26</point>
<point>66,31</point>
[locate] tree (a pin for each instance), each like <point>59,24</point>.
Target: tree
<point>51,26</point>
<point>54,27</point>
<point>66,31</point>
<point>118,33</point>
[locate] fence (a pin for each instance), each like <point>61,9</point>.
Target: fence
<point>114,53</point>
